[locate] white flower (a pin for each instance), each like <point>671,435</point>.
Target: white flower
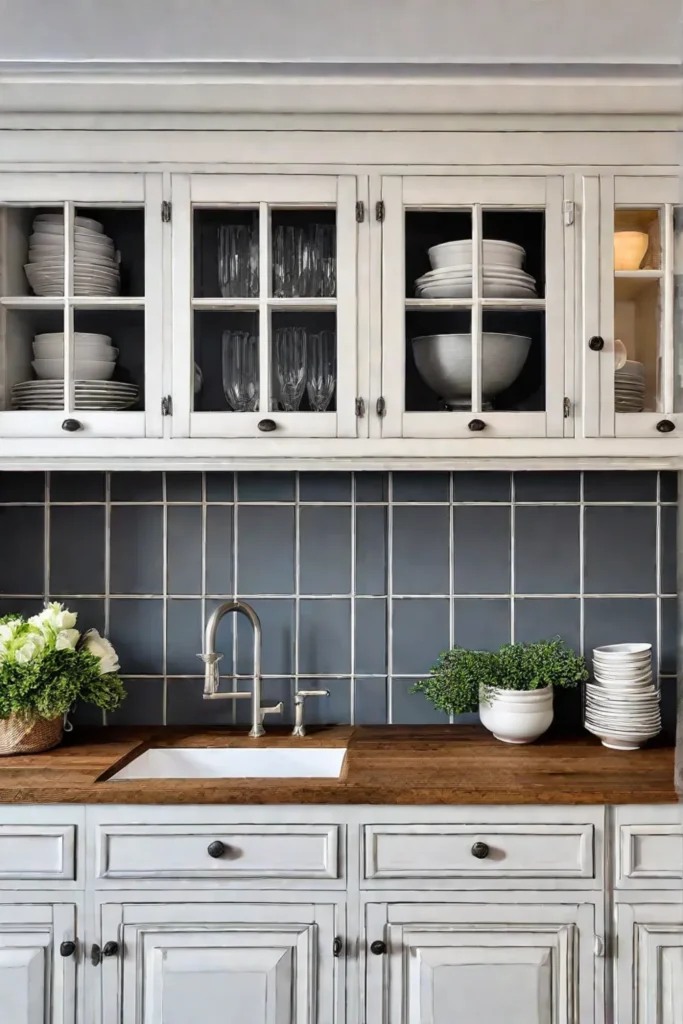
<point>8,630</point>
<point>54,618</point>
<point>67,639</point>
<point>30,648</point>
<point>102,649</point>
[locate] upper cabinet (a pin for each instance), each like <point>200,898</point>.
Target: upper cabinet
<point>264,306</point>
<point>473,285</point>
<point>80,305</point>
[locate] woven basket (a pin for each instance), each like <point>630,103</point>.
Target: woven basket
<point>20,735</point>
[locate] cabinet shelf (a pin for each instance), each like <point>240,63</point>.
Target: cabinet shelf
<point>467,303</point>
<point>253,305</point>
<point>76,302</point>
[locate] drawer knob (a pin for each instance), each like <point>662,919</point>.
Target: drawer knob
<point>110,949</point>
<point>216,849</point>
<point>378,947</point>
<point>480,851</point>
<point>267,426</point>
<point>476,425</point>
<point>596,343</point>
<point>71,426</point>
<point>67,949</point>
<point>337,947</point>
<point>665,426</point>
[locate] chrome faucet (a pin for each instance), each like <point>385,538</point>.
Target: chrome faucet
<point>211,660</point>
<point>299,698</point>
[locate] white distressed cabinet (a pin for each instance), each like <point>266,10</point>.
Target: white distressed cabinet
<point>37,982</point>
<point>650,964</point>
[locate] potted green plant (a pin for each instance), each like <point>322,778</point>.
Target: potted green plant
<point>46,666</point>
<point>512,688</point>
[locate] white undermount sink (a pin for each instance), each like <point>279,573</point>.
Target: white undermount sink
<point>234,763</point>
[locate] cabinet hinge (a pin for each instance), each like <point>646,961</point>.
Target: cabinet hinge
<point>166,212</point>
<point>379,210</point>
<point>569,211</point>
<point>360,211</point>
<point>360,407</point>
<point>167,406</point>
<point>567,405</point>
<point>381,406</point>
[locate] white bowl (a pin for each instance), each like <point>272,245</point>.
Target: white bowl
<point>456,254</point>
<point>444,361</point>
<point>525,697</point>
<point>78,336</point>
<point>89,353</point>
<point>510,722</point>
<point>51,369</point>
<point>623,650</point>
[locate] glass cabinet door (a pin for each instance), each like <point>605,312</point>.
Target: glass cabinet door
<point>264,306</point>
<point>631,362</point>
<point>80,305</point>
<point>473,303</point>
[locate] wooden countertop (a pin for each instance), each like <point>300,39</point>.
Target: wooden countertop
<point>388,765</point>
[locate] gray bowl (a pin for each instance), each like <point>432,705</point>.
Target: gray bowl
<point>444,361</point>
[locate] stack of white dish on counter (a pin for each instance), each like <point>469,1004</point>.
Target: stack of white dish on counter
<point>451,273</point>
<point>94,364</point>
<point>622,705</point>
<point>629,387</point>
<point>95,263</point>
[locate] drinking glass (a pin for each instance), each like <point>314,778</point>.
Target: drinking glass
<point>325,249</point>
<point>240,370</point>
<point>320,379</point>
<point>237,261</point>
<point>290,364</point>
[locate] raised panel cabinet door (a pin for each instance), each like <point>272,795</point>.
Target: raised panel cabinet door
<point>502,965</point>
<point>233,962</point>
<point>650,964</point>
<point>37,984</point>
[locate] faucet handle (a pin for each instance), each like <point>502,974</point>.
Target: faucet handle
<point>277,709</point>
<point>300,695</point>
<point>299,700</point>
<point>211,658</point>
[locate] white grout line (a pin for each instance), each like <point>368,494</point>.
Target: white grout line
<point>582,562</point>
<point>658,580</point>
<point>352,679</point>
<point>512,558</point>
<point>164,609</point>
<point>390,602</point>
<point>46,539</point>
<point>235,588</point>
<point>451,570</point>
<point>107,562</point>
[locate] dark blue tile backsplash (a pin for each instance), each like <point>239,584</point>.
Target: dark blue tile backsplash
<point>360,580</point>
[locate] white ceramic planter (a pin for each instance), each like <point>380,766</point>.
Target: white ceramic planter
<point>516,716</point>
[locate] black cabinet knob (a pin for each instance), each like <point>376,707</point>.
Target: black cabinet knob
<point>480,851</point>
<point>71,426</point>
<point>665,426</point>
<point>476,425</point>
<point>216,849</point>
<point>110,949</point>
<point>267,426</point>
<point>378,947</point>
<point>67,948</point>
<point>337,947</point>
<point>596,343</point>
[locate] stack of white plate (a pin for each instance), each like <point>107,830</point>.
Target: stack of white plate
<point>95,269</point>
<point>451,273</point>
<point>622,705</point>
<point>94,356</point>
<point>629,387</point>
<point>107,395</point>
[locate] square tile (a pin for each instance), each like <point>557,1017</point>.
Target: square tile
<point>421,550</point>
<point>371,551</point>
<point>265,550</point>
<point>409,708</point>
<point>481,486</point>
<point>136,549</point>
<point>420,634</point>
<point>139,486</point>
<point>614,485</point>
<point>185,705</point>
<point>544,618</point>
<point>481,624</point>
<point>370,701</point>
<point>620,550</point>
<point>325,637</point>
<point>77,549</point>
<point>219,549</point>
<point>65,486</point>
<point>325,550</point>
<point>136,629</point>
<point>669,514</point>
<point>421,486</point>
<point>184,638</point>
<point>183,487</point>
<point>272,692</point>
<point>26,606</point>
<point>184,549</point>
<point>481,549</point>
<point>669,709</point>
<point>278,625</point>
<point>86,716</point>
<point>224,635</point>
<point>21,486</point>
<point>619,620</point>
<point>371,636</point>
<point>547,486</point>
<point>668,485</point>
<point>144,704</point>
<point>22,563</point>
<point>220,486</point>
<point>372,486</point>
<point>669,634</point>
<point>266,486</point>
<point>90,611</point>
<point>325,487</point>
<point>547,554</point>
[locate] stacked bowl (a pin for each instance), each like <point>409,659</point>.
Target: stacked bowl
<point>622,705</point>
<point>94,356</point>
<point>95,269</point>
<point>451,273</point>
<point>629,387</point>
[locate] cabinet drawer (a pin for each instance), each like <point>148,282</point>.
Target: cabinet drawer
<point>648,851</point>
<point>506,851</point>
<point>38,852</point>
<point>250,851</point>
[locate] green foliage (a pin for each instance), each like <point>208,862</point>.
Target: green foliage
<point>460,676</point>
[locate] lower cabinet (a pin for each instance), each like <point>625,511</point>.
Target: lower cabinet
<point>433,963</point>
<point>37,972</point>
<point>650,963</point>
<point>234,962</point>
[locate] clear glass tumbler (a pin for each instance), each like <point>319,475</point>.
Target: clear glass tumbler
<point>321,369</point>
<point>240,370</point>
<point>290,365</point>
<point>237,261</point>
<point>325,250</point>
